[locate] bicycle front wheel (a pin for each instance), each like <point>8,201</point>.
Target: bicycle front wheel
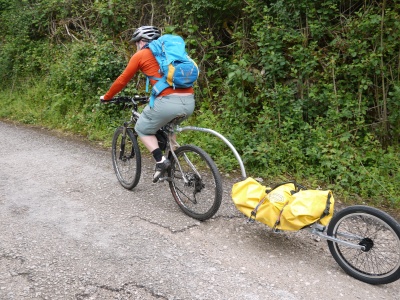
<point>126,158</point>
<point>379,233</point>
<point>196,183</point>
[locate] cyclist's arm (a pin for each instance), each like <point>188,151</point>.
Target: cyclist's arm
<point>125,77</point>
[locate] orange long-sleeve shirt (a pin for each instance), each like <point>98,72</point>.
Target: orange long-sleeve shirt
<point>144,61</point>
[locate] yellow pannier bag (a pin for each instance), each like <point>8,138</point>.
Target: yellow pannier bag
<point>248,194</point>
<point>307,207</point>
<point>284,207</point>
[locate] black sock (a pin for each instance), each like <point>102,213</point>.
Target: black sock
<point>157,154</point>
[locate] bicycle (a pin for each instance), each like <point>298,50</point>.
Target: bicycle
<point>193,177</point>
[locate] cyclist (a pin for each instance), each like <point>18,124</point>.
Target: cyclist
<point>169,104</point>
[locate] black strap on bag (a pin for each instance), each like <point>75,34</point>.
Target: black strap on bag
<point>327,207</point>
<point>279,219</point>
<point>253,214</point>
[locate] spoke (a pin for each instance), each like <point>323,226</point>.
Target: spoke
<point>184,194</point>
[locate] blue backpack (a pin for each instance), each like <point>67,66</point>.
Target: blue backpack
<point>178,70</point>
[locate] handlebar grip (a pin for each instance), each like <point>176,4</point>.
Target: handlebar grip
<point>141,99</point>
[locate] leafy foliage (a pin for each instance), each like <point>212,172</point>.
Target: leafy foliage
<point>306,89</point>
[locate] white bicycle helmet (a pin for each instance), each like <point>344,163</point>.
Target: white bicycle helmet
<point>148,33</point>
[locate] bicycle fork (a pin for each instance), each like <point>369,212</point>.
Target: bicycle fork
<point>123,140</point>
<point>122,146</point>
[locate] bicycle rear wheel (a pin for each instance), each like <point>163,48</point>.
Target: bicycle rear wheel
<point>196,183</point>
<point>379,233</point>
<point>126,158</point>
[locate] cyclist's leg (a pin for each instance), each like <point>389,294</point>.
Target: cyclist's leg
<point>150,120</point>
<point>150,141</point>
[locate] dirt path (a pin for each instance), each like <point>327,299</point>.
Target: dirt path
<point>69,231</point>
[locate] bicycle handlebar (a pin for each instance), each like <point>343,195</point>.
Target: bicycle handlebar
<point>127,99</point>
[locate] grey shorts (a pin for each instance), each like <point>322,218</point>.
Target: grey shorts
<point>165,109</point>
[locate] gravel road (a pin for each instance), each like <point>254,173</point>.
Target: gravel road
<point>68,230</point>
